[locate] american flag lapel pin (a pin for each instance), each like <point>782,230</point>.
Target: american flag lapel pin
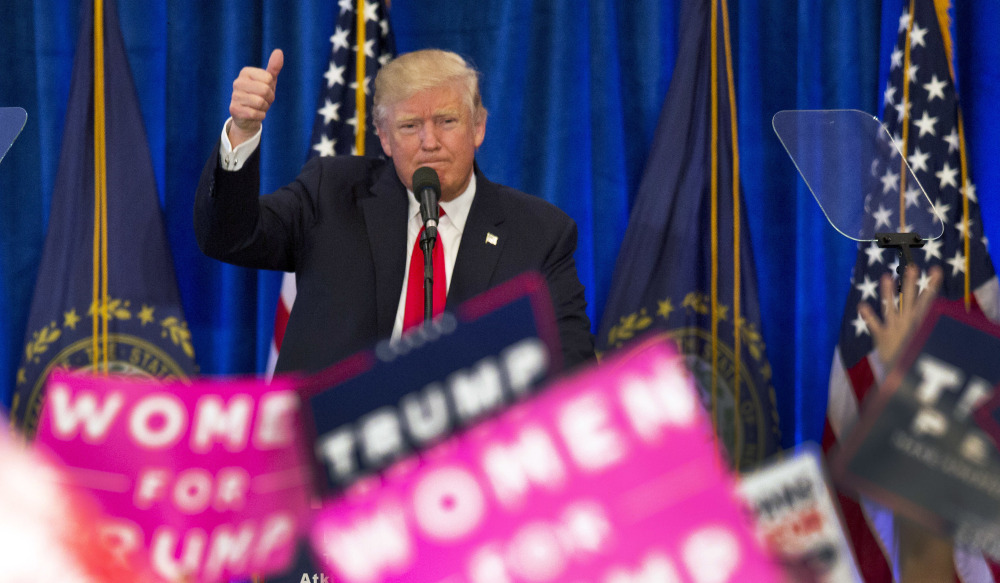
<point>491,238</point>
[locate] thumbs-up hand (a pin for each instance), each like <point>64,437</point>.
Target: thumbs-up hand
<point>253,94</point>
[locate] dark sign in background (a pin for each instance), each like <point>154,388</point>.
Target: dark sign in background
<point>918,448</point>
<point>402,397</point>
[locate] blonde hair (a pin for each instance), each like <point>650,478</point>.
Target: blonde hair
<point>411,73</point>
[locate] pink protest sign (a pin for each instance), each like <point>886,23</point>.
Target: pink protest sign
<point>208,480</point>
<point>611,476</point>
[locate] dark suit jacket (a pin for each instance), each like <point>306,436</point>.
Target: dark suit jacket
<point>341,227</point>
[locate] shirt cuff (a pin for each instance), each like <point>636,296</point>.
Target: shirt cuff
<point>230,158</point>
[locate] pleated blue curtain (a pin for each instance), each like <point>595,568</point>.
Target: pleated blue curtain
<point>574,89</point>
<point>799,55</point>
<point>231,310</point>
<point>978,55</point>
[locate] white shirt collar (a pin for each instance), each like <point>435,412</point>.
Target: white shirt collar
<point>456,210</point>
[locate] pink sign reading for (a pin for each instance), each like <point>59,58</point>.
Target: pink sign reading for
<point>208,480</point>
<point>610,477</point>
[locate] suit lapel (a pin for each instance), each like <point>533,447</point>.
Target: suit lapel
<point>482,243</point>
<point>385,220</point>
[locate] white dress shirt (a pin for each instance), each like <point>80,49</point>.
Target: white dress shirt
<point>450,229</point>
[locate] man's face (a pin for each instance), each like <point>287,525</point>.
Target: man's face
<point>433,128</point>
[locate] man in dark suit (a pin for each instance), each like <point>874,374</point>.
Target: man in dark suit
<point>346,225</point>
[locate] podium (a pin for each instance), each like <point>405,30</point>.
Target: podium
<point>12,120</point>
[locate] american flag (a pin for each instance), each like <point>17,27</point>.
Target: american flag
<point>344,107</point>
<point>921,113</point>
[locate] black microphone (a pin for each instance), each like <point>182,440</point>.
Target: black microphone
<point>427,189</point>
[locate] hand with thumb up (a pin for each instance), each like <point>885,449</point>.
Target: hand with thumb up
<point>253,94</point>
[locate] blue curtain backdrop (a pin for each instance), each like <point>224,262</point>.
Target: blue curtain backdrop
<point>574,89</point>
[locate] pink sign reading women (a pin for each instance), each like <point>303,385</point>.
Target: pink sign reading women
<point>199,482</point>
<point>612,476</point>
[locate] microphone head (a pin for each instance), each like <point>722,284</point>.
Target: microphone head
<point>424,178</point>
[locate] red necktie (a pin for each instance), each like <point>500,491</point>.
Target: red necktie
<point>413,315</point>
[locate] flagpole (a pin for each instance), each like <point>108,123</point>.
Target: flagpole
<point>359,79</point>
<point>905,121</point>
<point>737,252</point>
<point>99,341</point>
<point>714,208</point>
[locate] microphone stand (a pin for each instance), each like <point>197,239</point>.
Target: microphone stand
<point>901,242</point>
<point>427,241</point>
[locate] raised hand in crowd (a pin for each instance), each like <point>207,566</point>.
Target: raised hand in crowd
<point>900,316</point>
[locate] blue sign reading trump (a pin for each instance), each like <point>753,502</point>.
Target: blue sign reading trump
<point>405,395</point>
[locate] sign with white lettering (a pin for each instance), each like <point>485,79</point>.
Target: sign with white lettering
<point>207,481</point>
<point>917,448</point>
<point>798,517</point>
<point>612,476</point>
<point>377,407</point>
